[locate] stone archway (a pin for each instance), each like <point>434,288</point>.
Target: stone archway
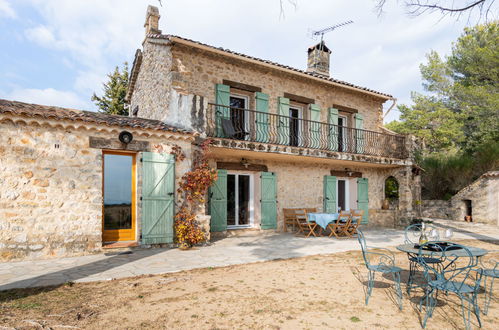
<point>392,192</point>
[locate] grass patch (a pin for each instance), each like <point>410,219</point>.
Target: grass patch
<point>212,289</point>
<point>355,319</point>
<point>27,306</point>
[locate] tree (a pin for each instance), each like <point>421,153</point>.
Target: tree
<point>445,7</point>
<point>113,100</point>
<point>461,110</point>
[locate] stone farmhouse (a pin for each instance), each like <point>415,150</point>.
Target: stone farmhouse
<point>71,182</point>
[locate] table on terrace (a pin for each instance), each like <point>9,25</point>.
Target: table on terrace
<point>323,219</point>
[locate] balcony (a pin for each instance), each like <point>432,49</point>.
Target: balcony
<point>261,127</point>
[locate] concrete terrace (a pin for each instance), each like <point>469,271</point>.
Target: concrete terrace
<point>224,252</point>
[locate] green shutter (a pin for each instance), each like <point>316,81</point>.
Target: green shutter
<point>283,120</point>
<point>222,98</point>
<point>315,126</point>
<point>333,129</point>
<point>218,203</point>
<point>359,135</point>
<point>330,194</point>
<point>262,118</point>
<point>269,200</point>
<point>363,198</point>
<point>158,193</point>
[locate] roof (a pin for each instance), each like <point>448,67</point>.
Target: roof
<point>52,112</point>
<point>174,38</point>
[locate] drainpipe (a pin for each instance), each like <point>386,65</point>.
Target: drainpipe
<point>390,108</point>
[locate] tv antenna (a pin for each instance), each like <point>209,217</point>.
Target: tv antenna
<point>321,33</point>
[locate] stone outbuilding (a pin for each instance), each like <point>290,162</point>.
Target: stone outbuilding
<point>479,200</point>
<point>63,171</point>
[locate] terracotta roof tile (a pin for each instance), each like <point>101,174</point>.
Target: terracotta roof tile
<point>316,75</point>
<point>52,112</point>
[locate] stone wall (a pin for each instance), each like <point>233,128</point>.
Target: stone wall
<point>300,184</point>
<point>437,209</point>
<point>170,73</point>
<point>51,186</point>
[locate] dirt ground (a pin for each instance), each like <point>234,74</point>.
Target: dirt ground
<point>306,293</point>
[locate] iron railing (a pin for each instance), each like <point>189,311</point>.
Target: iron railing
<point>255,126</point>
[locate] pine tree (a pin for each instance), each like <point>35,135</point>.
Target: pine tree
<point>113,100</point>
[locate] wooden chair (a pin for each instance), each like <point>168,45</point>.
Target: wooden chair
<point>306,227</point>
<point>355,223</point>
<point>290,216</point>
<point>340,227</point>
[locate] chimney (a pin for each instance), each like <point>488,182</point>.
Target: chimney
<point>318,59</point>
<point>152,20</point>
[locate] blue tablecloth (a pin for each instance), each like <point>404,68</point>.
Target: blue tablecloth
<point>323,219</point>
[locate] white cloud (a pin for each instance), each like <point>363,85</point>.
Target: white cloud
<point>6,10</point>
<point>42,36</point>
<point>49,96</point>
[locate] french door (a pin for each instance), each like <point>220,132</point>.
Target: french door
<point>118,220</point>
<point>239,200</point>
<point>238,116</point>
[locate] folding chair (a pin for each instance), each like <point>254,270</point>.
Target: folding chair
<point>340,226</point>
<point>304,224</point>
<point>355,223</point>
<point>289,218</point>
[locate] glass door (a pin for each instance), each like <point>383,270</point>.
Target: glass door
<point>239,200</point>
<point>119,197</point>
<point>238,116</point>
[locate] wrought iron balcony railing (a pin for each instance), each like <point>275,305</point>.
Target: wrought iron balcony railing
<point>255,126</point>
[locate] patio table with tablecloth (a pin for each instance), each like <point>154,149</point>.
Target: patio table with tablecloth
<point>323,219</point>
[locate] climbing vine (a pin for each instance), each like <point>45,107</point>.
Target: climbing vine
<point>193,187</point>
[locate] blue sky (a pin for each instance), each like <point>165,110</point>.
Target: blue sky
<point>58,52</point>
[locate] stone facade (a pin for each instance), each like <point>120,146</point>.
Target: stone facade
<point>483,195</point>
<point>436,209</point>
<point>51,179</point>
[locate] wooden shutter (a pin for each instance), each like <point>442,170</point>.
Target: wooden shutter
<point>262,118</point>
<point>218,203</point>
<point>283,120</point>
<point>333,129</point>
<point>269,200</point>
<point>363,198</point>
<point>359,136</point>
<point>315,126</point>
<point>330,205</point>
<point>158,194</point>
<point>222,98</point>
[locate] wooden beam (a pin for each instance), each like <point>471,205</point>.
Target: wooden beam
<point>298,98</point>
<point>344,174</point>
<point>240,167</point>
<point>241,86</point>
<point>345,109</point>
<point>115,144</point>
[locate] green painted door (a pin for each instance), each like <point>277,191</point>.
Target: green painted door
<point>315,126</point>
<point>158,194</point>
<point>363,198</point>
<point>283,120</point>
<point>262,118</point>
<point>218,202</point>
<point>333,129</point>
<point>222,98</point>
<point>330,205</point>
<point>359,136</point>
<point>269,200</point>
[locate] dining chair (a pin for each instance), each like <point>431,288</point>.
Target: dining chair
<point>289,218</point>
<point>412,234</point>
<point>341,225</point>
<point>376,261</point>
<point>305,226</point>
<point>490,270</point>
<point>355,223</point>
<point>456,277</point>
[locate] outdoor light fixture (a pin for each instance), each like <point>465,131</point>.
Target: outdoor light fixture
<point>349,172</point>
<point>245,162</point>
<point>125,137</point>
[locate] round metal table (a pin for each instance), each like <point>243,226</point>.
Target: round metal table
<point>475,252</point>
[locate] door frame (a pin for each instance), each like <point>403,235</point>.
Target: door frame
<point>117,235</point>
<point>251,203</point>
<point>246,114</point>
<point>344,134</point>
<point>299,119</point>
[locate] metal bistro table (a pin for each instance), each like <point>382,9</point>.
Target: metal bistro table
<point>413,252</point>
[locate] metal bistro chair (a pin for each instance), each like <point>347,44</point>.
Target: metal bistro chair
<point>455,277</point>
<point>490,270</point>
<point>385,263</point>
<point>412,234</point>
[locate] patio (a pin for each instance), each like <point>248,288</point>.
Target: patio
<point>224,252</point>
